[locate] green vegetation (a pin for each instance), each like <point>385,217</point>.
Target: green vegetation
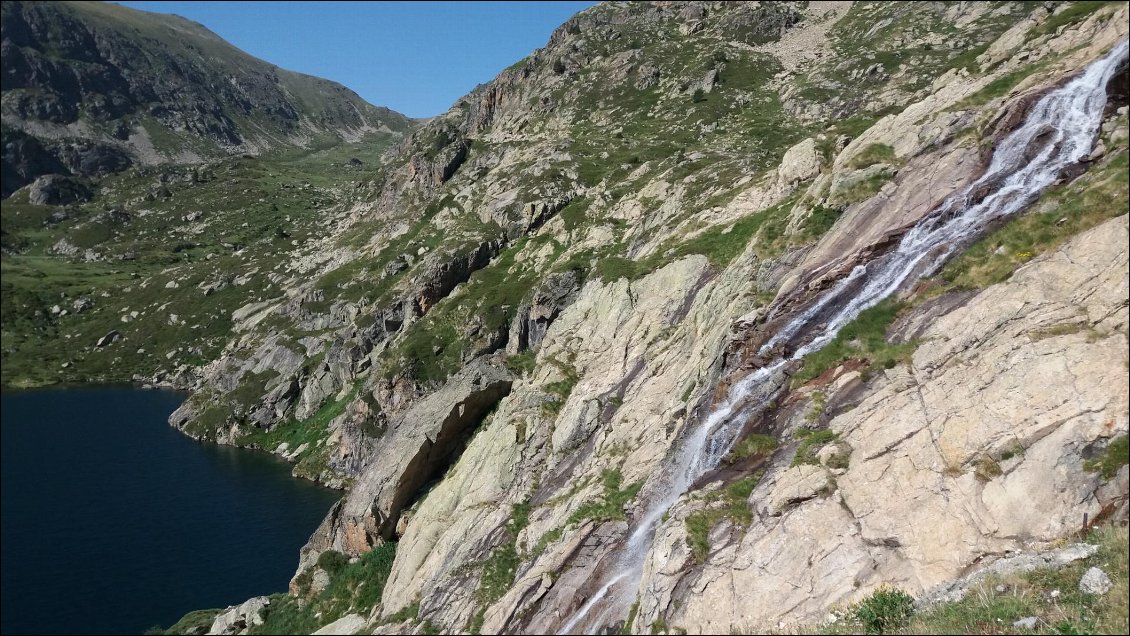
<point>987,469</point>
<point>311,431</point>
<point>1002,85</point>
<point>733,506</point>
<point>1062,212</point>
<point>1075,13</point>
<point>406,613</point>
<point>499,570</point>
<point>435,346</point>
<point>810,442</point>
<point>1114,456</point>
<point>184,261</point>
<point>862,189</point>
<point>561,389</point>
<point>884,611</point>
<point>879,49</point>
<point>545,540</point>
<point>873,154</point>
<point>816,411</point>
<point>818,222</point>
<point>353,587</point>
<point>993,605</point>
<point>754,446</point>
<point>720,244</point>
<point>197,622</point>
<point>610,507</point>
<point>863,338</point>
<point>575,213</point>
<point>522,363</point>
<point>632,613</point>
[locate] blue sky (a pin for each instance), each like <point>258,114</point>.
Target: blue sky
<point>414,57</point>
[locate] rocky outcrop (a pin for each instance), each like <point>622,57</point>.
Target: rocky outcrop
<point>240,618</point>
<point>979,450</point>
<point>429,437</point>
<point>348,624</point>
<point>54,189</point>
<point>529,326</point>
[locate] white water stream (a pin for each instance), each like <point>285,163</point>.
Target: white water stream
<point>1059,131</point>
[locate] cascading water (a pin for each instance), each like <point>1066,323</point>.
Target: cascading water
<point>1059,131</point>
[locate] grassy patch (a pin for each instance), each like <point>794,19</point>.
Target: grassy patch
<point>232,219</point>
<point>437,344</point>
<point>1075,13</point>
<point>310,431</point>
<point>884,611</point>
<point>719,244</point>
<point>545,540</point>
<point>610,506</point>
<point>865,337</point>
<point>196,622</point>
<point>733,506</point>
<point>355,587</point>
<point>561,389</point>
<point>996,603</point>
<point>754,446</point>
<point>522,363</point>
<point>873,154</point>
<point>810,442</point>
<point>819,221</point>
<point>986,469</point>
<point>500,568</point>
<point>575,214</point>
<point>1062,212</point>
<point>632,613</point>
<point>861,190</point>
<point>1002,85</point>
<point>1114,456</point>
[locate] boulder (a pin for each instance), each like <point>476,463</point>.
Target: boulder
<point>800,163</point>
<point>1095,582</point>
<point>56,189</point>
<point>348,624</point>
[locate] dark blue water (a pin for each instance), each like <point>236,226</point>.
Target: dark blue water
<point>113,522</point>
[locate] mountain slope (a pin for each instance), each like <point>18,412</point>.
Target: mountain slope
<point>551,345</point>
<point>504,351</point>
<point>96,87</point>
<point>153,147</point>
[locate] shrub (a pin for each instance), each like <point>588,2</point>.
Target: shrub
<point>885,610</point>
<point>332,561</point>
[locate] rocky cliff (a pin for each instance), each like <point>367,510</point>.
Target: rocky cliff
<point>643,240</point>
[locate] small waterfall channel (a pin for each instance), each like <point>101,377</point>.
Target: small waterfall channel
<point>1059,131</point>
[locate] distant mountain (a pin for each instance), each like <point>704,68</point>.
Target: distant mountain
<point>91,88</point>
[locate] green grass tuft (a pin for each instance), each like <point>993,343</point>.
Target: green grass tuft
<point>734,498</point>
<point>610,507</point>
<point>1114,456</point>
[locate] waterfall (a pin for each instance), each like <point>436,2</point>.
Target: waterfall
<point>1059,131</point>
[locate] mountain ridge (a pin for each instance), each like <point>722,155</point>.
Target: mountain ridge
<point>146,88</point>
